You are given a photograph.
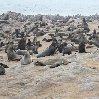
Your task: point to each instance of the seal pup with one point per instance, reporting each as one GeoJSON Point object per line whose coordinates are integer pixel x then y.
{"type": "Point", "coordinates": [26, 59]}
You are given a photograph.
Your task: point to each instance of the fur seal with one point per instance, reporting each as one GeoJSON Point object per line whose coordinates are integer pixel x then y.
{"type": "Point", "coordinates": [60, 46]}
{"type": "Point", "coordinates": [96, 43]}
{"type": "Point", "coordinates": [11, 54]}
{"type": "Point", "coordinates": [29, 43]}
{"type": "Point", "coordinates": [1, 44]}
{"type": "Point", "coordinates": [3, 65]}
{"type": "Point", "coordinates": [22, 44]}
{"type": "Point", "coordinates": [2, 70]}
{"type": "Point", "coordinates": [77, 38]}
{"type": "Point", "coordinates": [82, 47]}
{"type": "Point", "coordinates": [56, 61]}
{"type": "Point", "coordinates": [34, 49]}
{"type": "Point", "coordinates": [26, 59]}
{"type": "Point", "coordinates": [66, 49]}
{"type": "Point", "coordinates": [6, 47]}
{"type": "Point", "coordinates": [49, 51]}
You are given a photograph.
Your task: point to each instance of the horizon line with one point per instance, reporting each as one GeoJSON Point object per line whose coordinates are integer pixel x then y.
{"type": "Point", "coordinates": [49, 14]}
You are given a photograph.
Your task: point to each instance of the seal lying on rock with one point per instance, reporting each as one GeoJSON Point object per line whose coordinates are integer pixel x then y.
{"type": "Point", "coordinates": [2, 70]}
{"type": "Point", "coordinates": [52, 62]}
{"type": "Point", "coordinates": [26, 59]}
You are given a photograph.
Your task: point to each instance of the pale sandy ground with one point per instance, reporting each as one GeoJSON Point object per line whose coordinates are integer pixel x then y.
{"type": "Point", "coordinates": [77, 80]}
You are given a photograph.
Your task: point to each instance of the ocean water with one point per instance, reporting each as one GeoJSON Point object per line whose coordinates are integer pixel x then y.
{"type": "Point", "coordinates": [62, 7]}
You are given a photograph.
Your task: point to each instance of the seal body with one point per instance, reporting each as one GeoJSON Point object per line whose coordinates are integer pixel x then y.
{"type": "Point", "coordinates": [49, 51]}
{"type": "Point", "coordinates": [26, 59]}
{"type": "Point", "coordinates": [2, 70]}
{"type": "Point", "coordinates": [11, 54]}
{"type": "Point", "coordinates": [82, 47]}
{"type": "Point", "coordinates": [66, 50]}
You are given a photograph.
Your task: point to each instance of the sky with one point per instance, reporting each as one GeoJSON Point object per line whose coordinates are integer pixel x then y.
{"type": "Point", "coordinates": [62, 7]}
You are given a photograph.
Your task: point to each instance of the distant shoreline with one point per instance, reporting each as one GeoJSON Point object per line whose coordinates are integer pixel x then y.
{"type": "Point", "coordinates": [96, 14]}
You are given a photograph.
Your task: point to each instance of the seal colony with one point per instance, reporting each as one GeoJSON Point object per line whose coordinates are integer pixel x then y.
{"type": "Point", "coordinates": [67, 36]}
{"type": "Point", "coordinates": [49, 57]}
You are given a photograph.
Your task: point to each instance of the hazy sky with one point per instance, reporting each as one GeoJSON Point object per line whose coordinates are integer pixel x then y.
{"type": "Point", "coordinates": [62, 7]}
